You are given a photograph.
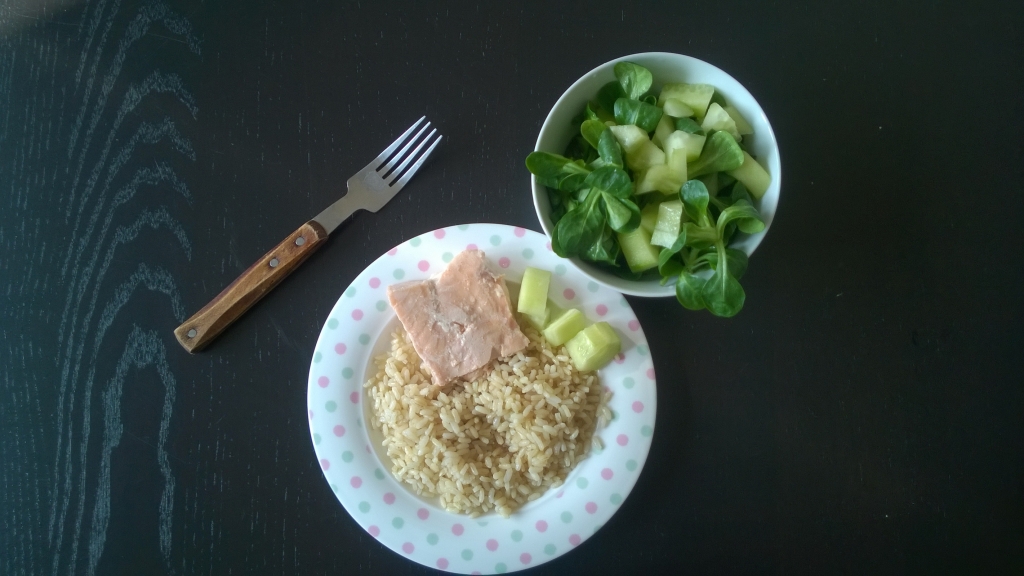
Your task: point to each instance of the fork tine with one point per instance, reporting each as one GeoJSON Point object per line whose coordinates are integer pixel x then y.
{"type": "Point", "coordinates": [394, 145]}
{"type": "Point", "coordinates": [416, 165]}
{"type": "Point", "coordinates": [389, 167]}
{"type": "Point", "coordinates": [409, 158]}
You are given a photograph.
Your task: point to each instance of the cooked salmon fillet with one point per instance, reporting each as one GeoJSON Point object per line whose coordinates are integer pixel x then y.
{"type": "Point", "coordinates": [459, 321]}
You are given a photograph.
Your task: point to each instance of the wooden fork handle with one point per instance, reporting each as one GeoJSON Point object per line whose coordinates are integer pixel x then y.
{"type": "Point", "coordinates": [204, 326]}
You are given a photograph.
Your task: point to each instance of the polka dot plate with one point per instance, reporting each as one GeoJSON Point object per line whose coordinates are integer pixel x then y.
{"type": "Point", "coordinates": [359, 327]}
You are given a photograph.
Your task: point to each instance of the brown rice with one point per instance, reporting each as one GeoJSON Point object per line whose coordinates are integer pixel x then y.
{"type": "Point", "coordinates": [495, 443]}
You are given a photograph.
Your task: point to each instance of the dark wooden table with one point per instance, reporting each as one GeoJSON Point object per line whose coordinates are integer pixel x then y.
{"type": "Point", "coordinates": [860, 415]}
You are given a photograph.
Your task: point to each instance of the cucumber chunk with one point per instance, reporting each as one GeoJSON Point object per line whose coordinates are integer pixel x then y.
{"type": "Point", "coordinates": [533, 295]}
{"type": "Point", "coordinates": [649, 216]}
{"type": "Point", "coordinates": [742, 126]}
{"type": "Point", "coordinates": [645, 156]}
{"type": "Point", "coordinates": [718, 119]}
{"type": "Point", "coordinates": [753, 176]}
{"type": "Point", "coordinates": [670, 220]}
{"type": "Point", "coordinates": [665, 127]}
{"type": "Point", "coordinates": [696, 96]}
{"type": "Point", "coordinates": [593, 347]}
{"type": "Point", "coordinates": [660, 178]}
{"type": "Point", "coordinates": [676, 108]}
{"type": "Point", "coordinates": [691, 143]}
{"type": "Point", "coordinates": [630, 137]}
{"type": "Point", "coordinates": [564, 326]}
{"type": "Point", "coordinates": [636, 247]}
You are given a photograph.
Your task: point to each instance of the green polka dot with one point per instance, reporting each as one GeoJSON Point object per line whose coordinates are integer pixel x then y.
{"type": "Point", "coordinates": [560, 269]}
{"type": "Point", "coordinates": [624, 303]}
{"type": "Point", "coordinates": [334, 487]}
{"type": "Point", "coordinates": [399, 273]}
{"type": "Point", "coordinates": [615, 415]}
{"type": "Point", "coordinates": [331, 406]}
{"type": "Point", "coordinates": [500, 568]}
{"type": "Point", "coordinates": [517, 535]}
{"type": "Point", "coordinates": [642, 350]}
{"type": "Point", "coordinates": [347, 456]}
{"type": "Point", "coordinates": [549, 549]}
{"type": "Point", "coordinates": [646, 430]}
{"type": "Point", "coordinates": [364, 339]}
{"type": "Point", "coordinates": [432, 539]}
{"type": "Point", "coordinates": [596, 528]}
{"type": "Point", "coordinates": [447, 257]}
{"type": "Point", "coordinates": [316, 438]}
{"type": "Point", "coordinates": [628, 382]}
{"type": "Point", "coordinates": [495, 240]}
{"type": "Point", "coordinates": [359, 421]}
{"type": "Point", "coordinates": [631, 465]}
{"type": "Point", "coordinates": [317, 357]}
{"type": "Point", "coordinates": [381, 305]}
{"type": "Point", "coordinates": [481, 522]}
{"type": "Point", "coordinates": [378, 474]}
{"type": "Point", "coordinates": [347, 373]}
{"type": "Point", "coordinates": [566, 517]}
{"type": "Point", "coordinates": [463, 227]}
{"type": "Point", "coordinates": [592, 286]}
{"type": "Point", "coordinates": [332, 323]}
{"type": "Point", "coordinates": [398, 522]}
{"type": "Point", "coordinates": [581, 482]}
{"type": "Point", "coordinates": [616, 499]}
{"type": "Point", "coordinates": [416, 241]}
{"type": "Point", "coordinates": [467, 554]}
{"type": "Point", "coordinates": [527, 253]}
{"type": "Point", "coordinates": [351, 292]}
{"type": "Point", "coordinates": [364, 507]}
{"type": "Point", "coordinates": [598, 449]}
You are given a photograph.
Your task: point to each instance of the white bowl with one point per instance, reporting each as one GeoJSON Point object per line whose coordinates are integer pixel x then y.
{"type": "Point", "coordinates": [557, 131]}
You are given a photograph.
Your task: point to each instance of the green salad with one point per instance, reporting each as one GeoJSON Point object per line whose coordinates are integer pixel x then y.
{"type": "Point", "coordinates": [657, 185]}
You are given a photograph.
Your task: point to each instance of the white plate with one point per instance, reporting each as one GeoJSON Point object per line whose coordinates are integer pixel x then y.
{"type": "Point", "coordinates": [413, 527]}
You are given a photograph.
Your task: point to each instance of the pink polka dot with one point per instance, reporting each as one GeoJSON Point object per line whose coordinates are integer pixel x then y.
{"type": "Point", "coordinates": [457, 529]}
{"type": "Point", "coordinates": [607, 474]}
{"type": "Point", "coordinates": [650, 373]}
{"type": "Point", "coordinates": [601, 309]}
{"type": "Point", "coordinates": [325, 464]}
{"type": "Point", "coordinates": [339, 430]}
{"type": "Point", "coordinates": [504, 262]}
{"type": "Point", "coordinates": [438, 234]}
{"type": "Point", "coordinates": [620, 358]}
{"type": "Point", "coordinates": [367, 448]}
{"type": "Point", "coordinates": [423, 513]}
{"type": "Point", "coordinates": [591, 507]}
{"type": "Point", "coordinates": [374, 531]}
{"type": "Point", "coordinates": [622, 439]}
{"type": "Point", "coordinates": [525, 558]}
{"type": "Point", "coordinates": [471, 247]}
{"type": "Point", "coordinates": [549, 246]}
{"type": "Point", "coordinates": [575, 540]}
{"type": "Point", "coordinates": [519, 232]}
{"type": "Point", "coordinates": [492, 544]}
{"type": "Point", "coordinates": [354, 397]}
{"type": "Point", "coordinates": [441, 562]}
{"type": "Point", "coordinates": [356, 482]}
{"type": "Point", "coordinates": [423, 265]}
{"type": "Point", "coordinates": [638, 406]}
{"type": "Point", "coordinates": [476, 572]}
{"type": "Point", "coordinates": [408, 547]}
{"type": "Point", "coordinates": [559, 494]}
{"type": "Point", "coordinates": [310, 414]}
{"type": "Point", "coordinates": [374, 282]}
{"type": "Point", "coordinates": [541, 526]}
{"type": "Point", "coordinates": [323, 381]}
{"type": "Point", "coordinates": [389, 498]}
{"type": "Point", "coordinates": [340, 348]}
{"type": "Point", "coordinates": [357, 314]}
{"type": "Point", "coordinates": [569, 293]}
{"type": "Point", "coordinates": [393, 251]}
{"type": "Point", "coordinates": [634, 325]}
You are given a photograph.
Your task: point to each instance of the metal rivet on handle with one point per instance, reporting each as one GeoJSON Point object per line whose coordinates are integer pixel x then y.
{"type": "Point", "coordinates": [273, 262]}
{"type": "Point", "coordinates": [192, 333]}
{"type": "Point", "coordinates": [300, 241]}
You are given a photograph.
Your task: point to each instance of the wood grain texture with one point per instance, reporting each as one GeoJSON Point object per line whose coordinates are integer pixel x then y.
{"type": "Point", "coordinates": [252, 285]}
{"type": "Point", "coordinates": [862, 414]}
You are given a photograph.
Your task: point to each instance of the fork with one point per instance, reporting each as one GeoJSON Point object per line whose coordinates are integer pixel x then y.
{"type": "Point", "coordinates": [369, 189]}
